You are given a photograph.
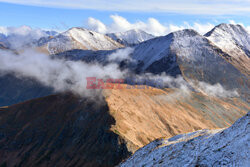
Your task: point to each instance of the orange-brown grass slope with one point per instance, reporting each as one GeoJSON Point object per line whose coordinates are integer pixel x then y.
{"type": "Point", "coordinates": [142, 115]}
{"type": "Point", "coordinates": [65, 130]}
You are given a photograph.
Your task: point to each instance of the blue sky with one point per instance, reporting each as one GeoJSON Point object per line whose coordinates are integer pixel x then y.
{"type": "Point", "coordinates": [63, 14]}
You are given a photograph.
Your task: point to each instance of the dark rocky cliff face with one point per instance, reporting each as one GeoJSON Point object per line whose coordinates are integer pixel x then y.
{"type": "Point", "coordinates": [59, 130]}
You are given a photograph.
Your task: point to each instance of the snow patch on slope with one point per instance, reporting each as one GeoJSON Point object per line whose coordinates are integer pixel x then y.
{"type": "Point", "coordinates": [222, 147]}
{"type": "Point", "coordinates": [187, 44]}
{"type": "Point", "coordinates": [235, 41]}
{"type": "Point", "coordinates": [92, 40]}
{"type": "Point", "coordinates": [231, 38]}
{"type": "Point", "coordinates": [80, 38]}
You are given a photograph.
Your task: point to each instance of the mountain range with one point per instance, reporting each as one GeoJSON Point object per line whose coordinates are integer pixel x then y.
{"type": "Point", "coordinates": [78, 38]}
{"type": "Point", "coordinates": [192, 56]}
{"type": "Point", "coordinates": [207, 87]}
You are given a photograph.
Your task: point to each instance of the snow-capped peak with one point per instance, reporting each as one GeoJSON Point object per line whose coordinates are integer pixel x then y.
{"type": "Point", "coordinates": [92, 40]}
{"type": "Point", "coordinates": [185, 33]}
{"type": "Point", "coordinates": [80, 38]}
{"type": "Point", "coordinates": [187, 41]}
{"type": "Point", "coordinates": [235, 41]}
{"type": "Point", "coordinates": [229, 28]}
{"type": "Point", "coordinates": [230, 37]}
{"type": "Point", "coordinates": [131, 37]}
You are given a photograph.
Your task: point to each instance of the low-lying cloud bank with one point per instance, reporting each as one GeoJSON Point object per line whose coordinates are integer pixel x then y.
{"type": "Point", "coordinates": [18, 37]}
{"type": "Point", "coordinates": [62, 75]}
{"type": "Point", "coordinates": [65, 75]}
{"type": "Point", "coordinates": [216, 90]}
{"type": "Point", "coordinates": [183, 87]}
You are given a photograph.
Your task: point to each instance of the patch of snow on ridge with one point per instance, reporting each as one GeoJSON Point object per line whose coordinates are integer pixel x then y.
{"type": "Point", "coordinates": [80, 38]}
{"type": "Point", "coordinates": [233, 39]}
{"type": "Point", "coordinates": [187, 44]}
{"type": "Point", "coordinates": [222, 147]}
{"type": "Point", "coordinates": [91, 39]}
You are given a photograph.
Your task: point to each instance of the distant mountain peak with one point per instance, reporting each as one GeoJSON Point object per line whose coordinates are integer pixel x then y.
{"type": "Point", "coordinates": [78, 29]}
{"type": "Point", "coordinates": [79, 38]}
{"type": "Point", "coordinates": [228, 28]}
{"type": "Point", "coordinates": [185, 33]}
{"type": "Point", "coordinates": [235, 41]}
{"type": "Point", "coordinates": [225, 25]}
{"type": "Point", "coordinates": [131, 37]}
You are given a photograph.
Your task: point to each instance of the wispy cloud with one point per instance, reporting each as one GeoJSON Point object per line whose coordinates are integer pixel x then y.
{"type": "Point", "coordinates": [20, 36]}
{"type": "Point", "coordinates": [60, 74]}
{"type": "Point", "coordinates": [118, 24]}
{"type": "Point", "coordinates": [212, 7]}
{"type": "Point", "coordinates": [22, 31]}
{"type": "Point", "coordinates": [246, 27]}
{"type": "Point", "coordinates": [152, 26]}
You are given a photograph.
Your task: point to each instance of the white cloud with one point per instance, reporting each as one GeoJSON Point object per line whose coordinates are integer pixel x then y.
{"type": "Point", "coordinates": [155, 27]}
{"type": "Point", "coordinates": [65, 75]}
{"type": "Point", "coordinates": [121, 54]}
{"type": "Point", "coordinates": [96, 25]}
{"type": "Point", "coordinates": [20, 36]}
{"type": "Point", "coordinates": [120, 23]}
{"type": "Point", "coordinates": [202, 28]}
{"type": "Point", "coordinates": [62, 75]}
{"type": "Point", "coordinates": [184, 89]}
{"type": "Point", "coordinates": [232, 22]}
{"type": "Point", "coordinates": [212, 7]}
{"type": "Point", "coordinates": [216, 90]}
{"type": "Point", "coordinates": [246, 27]}
{"type": "Point", "coordinates": [152, 26]}
{"type": "Point", "coordinates": [21, 31]}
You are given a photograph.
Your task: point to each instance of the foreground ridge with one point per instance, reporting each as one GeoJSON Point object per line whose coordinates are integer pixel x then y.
{"type": "Point", "coordinates": [221, 147]}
